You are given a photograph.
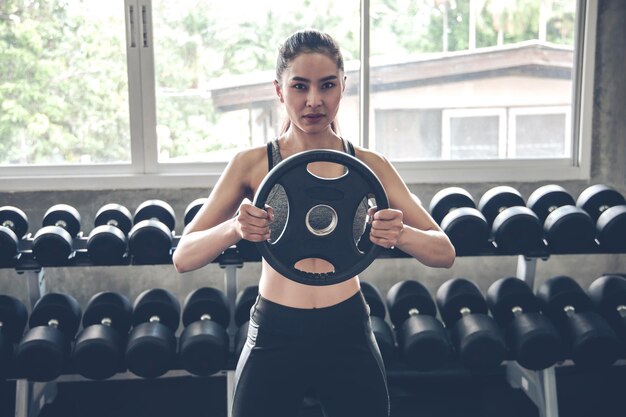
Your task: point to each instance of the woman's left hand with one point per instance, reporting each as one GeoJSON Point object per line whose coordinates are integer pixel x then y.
{"type": "Point", "coordinates": [386, 227]}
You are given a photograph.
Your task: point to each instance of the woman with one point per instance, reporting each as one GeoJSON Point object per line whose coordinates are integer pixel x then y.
{"type": "Point", "coordinates": [301, 337]}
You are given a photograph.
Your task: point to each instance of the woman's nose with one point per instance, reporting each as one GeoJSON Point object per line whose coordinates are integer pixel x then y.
{"type": "Point", "coordinates": [314, 98]}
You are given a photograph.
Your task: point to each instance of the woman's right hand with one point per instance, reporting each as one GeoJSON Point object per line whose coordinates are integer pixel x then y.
{"type": "Point", "coordinates": [253, 223]}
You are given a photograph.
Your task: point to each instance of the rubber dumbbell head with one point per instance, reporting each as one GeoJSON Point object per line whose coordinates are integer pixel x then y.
{"type": "Point", "coordinates": [566, 228]}
{"type": "Point", "coordinates": [533, 339]}
{"type": "Point", "coordinates": [374, 299]}
{"type": "Point", "coordinates": [608, 294]}
{"type": "Point", "coordinates": [108, 241]}
{"type": "Point", "coordinates": [590, 340]}
{"type": "Point", "coordinates": [192, 209]}
{"type": "Point", "coordinates": [43, 352]}
{"type": "Point", "coordinates": [13, 227]}
{"type": "Point", "coordinates": [151, 347]}
{"type": "Point", "coordinates": [607, 207]}
{"type": "Point", "coordinates": [476, 337]}
{"type": "Point", "coordinates": [204, 343]}
{"type": "Point", "coordinates": [54, 242]}
{"type": "Point", "coordinates": [514, 227]}
{"type": "Point", "coordinates": [151, 238]}
{"type": "Point", "coordinates": [382, 332]}
{"type": "Point", "coordinates": [244, 302]}
{"type": "Point", "coordinates": [455, 211]}
{"type": "Point", "coordinates": [99, 349]}
{"type": "Point", "coordinates": [13, 317]}
{"type": "Point", "coordinates": [422, 339]}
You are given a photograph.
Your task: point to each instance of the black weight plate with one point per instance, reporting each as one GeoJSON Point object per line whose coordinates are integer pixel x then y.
{"type": "Point", "coordinates": [107, 245]}
{"type": "Point", "coordinates": [13, 316]}
{"type": "Point", "coordinates": [193, 208]}
{"type": "Point", "coordinates": [448, 200]}
{"type": "Point", "coordinates": [244, 302]}
{"type": "Point", "coordinates": [544, 200]}
{"type": "Point", "coordinates": [158, 210]}
{"type": "Point", "coordinates": [61, 307]}
{"type": "Point", "coordinates": [597, 198]}
{"type": "Point", "coordinates": [157, 302]}
{"type": "Point", "coordinates": [206, 300]}
{"type": "Point", "coordinates": [111, 305]}
{"type": "Point", "coordinates": [498, 199]}
{"type": "Point", "coordinates": [406, 295]}
{"type": "Point", "coordinates": [15, 219]}
{"type": "Point", "coordinates": [458, 293]}
{"type": "Point", "coordinates": [114, 215]}
{"type": "Point", "coordinates": [611, 228]}
{"type": "Point", "coordinates": [64, 216]}
{"type": "Point", "coordinates": [505, 294]}
{"type": "Point", "coordinates": [305, 191]}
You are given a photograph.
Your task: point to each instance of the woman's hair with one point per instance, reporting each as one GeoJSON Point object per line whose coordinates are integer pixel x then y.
{"type": "Point", "coordinates": [307, 41]}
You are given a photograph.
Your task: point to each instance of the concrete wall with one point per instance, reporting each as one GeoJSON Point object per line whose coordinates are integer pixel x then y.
{"type": "Point", "coordinates": [608, 166]}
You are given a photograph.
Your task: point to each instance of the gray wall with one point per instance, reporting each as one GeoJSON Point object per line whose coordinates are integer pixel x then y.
{"type": "Point", "coordinates": [608, 156]}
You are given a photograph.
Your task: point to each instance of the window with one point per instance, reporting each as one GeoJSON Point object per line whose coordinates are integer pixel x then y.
{"type": "Point", "coordinates": [157, 92]}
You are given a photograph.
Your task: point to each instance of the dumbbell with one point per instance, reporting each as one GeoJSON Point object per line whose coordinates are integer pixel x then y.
{"type": "Point", "coordinates": [608, 294]}
{"type": "Point", "coordinates": [13, 227]}
{"type": "Point", "coordinates": [151, 238]}
{"type": "Point", "coordinates": [43, 353]}
{"type": "Point", "coordinates": [514, 227]}
{"type": "Point", "coordinates": [108, 241]}
{"type": "Point", "coordinates": [54, 242]}
{"type": "Point", "coordinates": [589, 340]}
{"type": "Point", "coordinates": [203, 345]}
{"type": "Point", "coordinates": [607, 208]}
{"type": "Point", "coordinates": [13, 317]}
{"type": "Point", "coordinates": [192, 209]}
{"type": "Point", "coordinates": [476, 337]}
{"type": "Point", "coordinates": [151, 347]}
{"type": "Point", "coordinates": [99, 349]}
{"type": "Point", "coordinates": [533, 340]}
{"type": "Point", "coordinates": [243, 304]}
{"type": "Point", "coordinates": [454, 209]}
{"type": "Point", "coordinates": [422, 339]}
{"type": "Point", "coordinates": [382, 332]}
{"type": "Point", "coordinates": [566, 228]}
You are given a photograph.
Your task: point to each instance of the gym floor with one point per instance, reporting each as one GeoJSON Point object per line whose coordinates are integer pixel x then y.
{"type": "Point", "coordinates": [580, 394]}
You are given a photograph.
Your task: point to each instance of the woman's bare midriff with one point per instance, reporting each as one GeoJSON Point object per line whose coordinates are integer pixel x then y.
{"type": "Point", "coordinates": [279, 289]}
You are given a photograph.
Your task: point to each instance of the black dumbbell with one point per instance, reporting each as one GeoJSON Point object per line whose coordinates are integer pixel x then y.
{"type": "Point", "coordinates": [476, 337]}
{"type": "Point", "coordinates": [192, 209]}
{"type": "Point", "coordinates": [99, 349]}
{"type": "Point", "coordinates": [243, 304]}
{"type": "Point", "coordinates": [514, 227]}
{"type": "Point", "coordinates": [44, 351]}
{"type": "Point", "coordinates": [589, 340]}
{"type": "Point", "coordinates": [203, 345]}
{"type": "Point", "coordinates": [607, 207]}
{"type": "Point", "coordinates": [422, 339]}
{"type": "Point", "coordinates": [151, 238]}
{"type": "Point", "coordinates": [13, 227]}
{"type": "Point", "coordinates": [13, 317]}
{"type": "Point", "coordinates": [566, 228]}
{"type": "Point", "coordinates": [108, 241]}
{"type": "Point", "coordinates": [608, 294]}
{"type": "Point", "coordinates": [381, 329]}
{"type": "Point", "coordinates": [151, 347]}
{"type": "Point", "coordinates": [54, 242]}
{"type": "Point", "coordinates": [532, 338]}
{"type": "Point", "coordinates": [455, 211]}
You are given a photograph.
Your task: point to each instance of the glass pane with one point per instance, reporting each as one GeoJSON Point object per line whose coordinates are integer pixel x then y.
{"type": "Point", "coordinates": [412, 134]}
{"type": "Point", "coordinates": [540, 135]}
{"type": "Point", "coordinates": [215, 66]}
{"type": "Point", "coordinates": [474, 137]}
{"type": "Point", "coordinates": [63, 83]}
{"type": "Point", "coordinates": [468, 55]}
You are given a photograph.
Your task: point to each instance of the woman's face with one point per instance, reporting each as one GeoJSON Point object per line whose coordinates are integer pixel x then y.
{"type": "Point", "coordinates": [311, 89]}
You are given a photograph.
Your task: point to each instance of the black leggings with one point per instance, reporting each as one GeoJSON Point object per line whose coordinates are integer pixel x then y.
{"type": "Point", "coordinates": [329, 351]}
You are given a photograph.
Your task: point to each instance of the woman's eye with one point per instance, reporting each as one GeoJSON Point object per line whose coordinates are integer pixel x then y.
{"type": "Point", "coordinates": [328, 85]}
{"type": "Point", "coordinates": [299, 86]}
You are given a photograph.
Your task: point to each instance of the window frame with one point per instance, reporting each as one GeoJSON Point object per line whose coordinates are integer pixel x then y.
{"type": "Point", "coordinates": [145, 171]}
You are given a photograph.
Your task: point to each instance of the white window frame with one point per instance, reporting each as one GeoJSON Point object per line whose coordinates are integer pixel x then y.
{"type": "Point", "coordinates": [449, 114]}
{"type": "Point", "coordinates": [538, 111]}
{"type": "Point", "coordinates": [145, 171]}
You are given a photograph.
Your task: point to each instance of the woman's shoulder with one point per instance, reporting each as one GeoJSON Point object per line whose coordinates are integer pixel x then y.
{"type": "Point", "coordinates": [249, 158]}
{"type": "Point", "coordinates": [373, 159]}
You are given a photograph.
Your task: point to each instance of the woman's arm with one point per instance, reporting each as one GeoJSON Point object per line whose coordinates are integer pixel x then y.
{"type": "Point", "coordinates": [406, 225]}
{"type": "Point", "coordinates": [214, 229]}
